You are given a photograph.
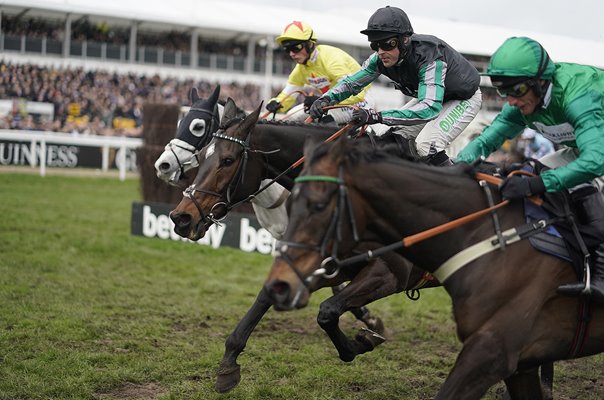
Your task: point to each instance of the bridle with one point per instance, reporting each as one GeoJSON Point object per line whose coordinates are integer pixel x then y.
{"type": "Point", "coordinates": [330, 266]}
{"type": "Point", "coordinates": [226, 200]}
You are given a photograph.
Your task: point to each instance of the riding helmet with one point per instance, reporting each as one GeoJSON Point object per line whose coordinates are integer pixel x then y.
{"type": "Point", "coordinates": [387, 22]}
{"type": "Point", "coordinates": [520, 58]}
{"type": "Point", "coordinates": [296, 31]}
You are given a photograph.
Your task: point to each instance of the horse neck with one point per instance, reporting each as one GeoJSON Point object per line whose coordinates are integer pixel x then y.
{"type": "Point", "coordinates": [289, 140]}
{"type": "Point", "coordinates": [405, 200]}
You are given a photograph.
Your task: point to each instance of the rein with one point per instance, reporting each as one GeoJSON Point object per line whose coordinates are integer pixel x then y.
{"type": "Point", "coordinates": [299, 162]}
{"type": "Point", "coordinates": [452, 265]}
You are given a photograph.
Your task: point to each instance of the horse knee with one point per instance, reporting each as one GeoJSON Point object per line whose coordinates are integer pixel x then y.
{"type": "Point", "coordinates": [328, 314]}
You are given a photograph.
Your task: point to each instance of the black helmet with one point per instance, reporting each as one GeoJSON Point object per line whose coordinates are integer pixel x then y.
{"type": "Point", "coordinates": [387, 22]}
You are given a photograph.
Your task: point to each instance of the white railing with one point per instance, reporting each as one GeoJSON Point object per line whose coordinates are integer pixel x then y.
{"type": "Point", "coordinates": [104, 142]}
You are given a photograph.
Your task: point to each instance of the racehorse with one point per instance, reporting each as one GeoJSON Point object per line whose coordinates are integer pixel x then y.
{"type": "Point", "coordinates": [508, 315]}
{"type": "Point", "coordinates": [194, 131]}
{"type": "Point", "coordinates": [231, 167]}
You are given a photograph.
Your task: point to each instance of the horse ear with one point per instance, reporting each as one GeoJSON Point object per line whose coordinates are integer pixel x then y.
{"type": "Point", "coordinates": [230, 111]}
{"type": "Point", "coordinates": [250, 121]}
{"type": "Point", "coordinates": [339, 149]}
{"type": "Point", "coordinates": [214, 97]}
{"type": "Point", "coordinates": [194, 95]}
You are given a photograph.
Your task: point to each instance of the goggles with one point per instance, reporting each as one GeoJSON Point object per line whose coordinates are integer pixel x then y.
{"type": "Point", "coordinates": [385, 45]}
{"type": "Point", "coordinates": [296, 48]}
{"type": "Point", "coordinates": [517, 90]}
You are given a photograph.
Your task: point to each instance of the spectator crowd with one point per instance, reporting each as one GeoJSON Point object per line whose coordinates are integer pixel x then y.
{"type": "Point", "coordinates": [99, 102]}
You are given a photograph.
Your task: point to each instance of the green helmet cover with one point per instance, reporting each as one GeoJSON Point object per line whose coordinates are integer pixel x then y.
{"type": "Point", "coordinates": [521, 57]}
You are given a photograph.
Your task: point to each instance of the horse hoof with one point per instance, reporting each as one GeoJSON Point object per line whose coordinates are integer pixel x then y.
{"type": "Point", "coordinates": [370, 339]}
{"type": "Point", "coordinates": [376, 325]}
{"type": "Point", "coordinates": [227, 378]}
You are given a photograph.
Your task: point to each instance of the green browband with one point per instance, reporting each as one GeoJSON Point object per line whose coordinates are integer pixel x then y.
{"type": "Point", "coordinates": [319, 178]}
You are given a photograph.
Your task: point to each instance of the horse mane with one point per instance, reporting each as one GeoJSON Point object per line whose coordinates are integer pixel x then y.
{"type": "Point", "coordinates": [360, 150]}
{"type": "Point", "coordinates": [285, 122]}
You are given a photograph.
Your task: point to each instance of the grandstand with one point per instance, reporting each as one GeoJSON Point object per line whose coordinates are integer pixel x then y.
{"type": "Point", "coordinates": [184, 42]}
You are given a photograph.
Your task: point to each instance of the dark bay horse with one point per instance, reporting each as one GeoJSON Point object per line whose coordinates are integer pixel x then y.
{"type": "Point", "coordinates": [508, 315]}
{"type": "Point", "coordinates": [231, 167]}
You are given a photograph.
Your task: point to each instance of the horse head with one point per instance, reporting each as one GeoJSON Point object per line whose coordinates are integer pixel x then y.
{"type": "Point", "coordinates": [222, 179]}
{"type": "Point", "coordinates": [322, 226]}
{"type": "Point", "coordinates": [193, 132]}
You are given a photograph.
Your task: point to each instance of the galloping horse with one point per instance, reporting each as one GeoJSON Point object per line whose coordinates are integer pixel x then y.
{"type": "Point", "coordinates": [231, 167]}
{"type": "Point", "coordinates": [508, 315]}
{"type": "Point", "coordinates": [195, 131]}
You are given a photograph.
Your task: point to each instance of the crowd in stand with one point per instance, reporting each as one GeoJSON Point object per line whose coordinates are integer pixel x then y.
{"type": "Point", "coordinates": [99, 102]}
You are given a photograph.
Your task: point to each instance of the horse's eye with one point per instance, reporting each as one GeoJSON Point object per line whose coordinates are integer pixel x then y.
{"type": "Point", "coordinates": [197, 127]}
{"type": "Point", "coordinates": [227, 162]}
{"type": "Point", "coordinates": [318, 207]}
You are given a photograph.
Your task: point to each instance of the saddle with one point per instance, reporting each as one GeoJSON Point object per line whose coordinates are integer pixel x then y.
{"type": "Point", "coordinates": [566, 237]}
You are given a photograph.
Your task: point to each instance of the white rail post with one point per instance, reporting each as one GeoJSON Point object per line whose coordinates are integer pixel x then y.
{"type": "Point", "coordinates": [123, 162]}
{"type": "Point", "coordinates": [42, 157]}
{"type": "Point", "coordinates": [105, 161]}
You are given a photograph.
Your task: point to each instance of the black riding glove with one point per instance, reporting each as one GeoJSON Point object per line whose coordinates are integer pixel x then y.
{"type": "Point", "coordinates": [273, 106]}
{"type": "Point", "coordinates": [517, 187]}
{"type": "Point", "coordinates": [316, 109]}
{"type": "Point", "coordinates": [366, 116]}
{"type": "Point", "coordinates": [308, 102]}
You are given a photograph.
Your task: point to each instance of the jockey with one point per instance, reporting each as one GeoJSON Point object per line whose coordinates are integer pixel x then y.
{"type": "Point", "coordinates": [443, 84]}
{"type": "Point", "coordinates": [565, 103]}
{"type": "Point", "coordinates": [318, 66]}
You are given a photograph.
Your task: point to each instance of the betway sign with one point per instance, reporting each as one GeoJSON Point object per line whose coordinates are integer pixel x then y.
{"type": "Point", "coordinates": [241, 231]}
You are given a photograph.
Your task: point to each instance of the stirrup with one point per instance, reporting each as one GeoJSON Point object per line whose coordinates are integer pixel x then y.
{"type": "Point", "coordinates": [578, 288]}
{"type": "Point", "coordinates": [574, 289]}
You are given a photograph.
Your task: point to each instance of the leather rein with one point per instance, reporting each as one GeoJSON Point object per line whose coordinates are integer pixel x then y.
{"type": "Point", "coordinates": [331, 265]}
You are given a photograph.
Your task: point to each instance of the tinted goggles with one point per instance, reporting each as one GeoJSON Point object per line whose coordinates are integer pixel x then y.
{"type": "Point", "coordinates": [385, 45]}
{"type": "Point", "coordinates": [296, 48]}
{"type": "Point", "coordinates": [517, 90]}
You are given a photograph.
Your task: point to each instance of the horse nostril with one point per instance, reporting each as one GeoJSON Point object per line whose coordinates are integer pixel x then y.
{"type": "Point", "coordinates": [181, 219]}
{"type": "Point", "coordinates": [279, 291]}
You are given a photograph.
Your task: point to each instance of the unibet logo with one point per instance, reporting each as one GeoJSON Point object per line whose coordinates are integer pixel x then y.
{"type": "Point", "coordinates": [451, 119]}
{"type": "Point", "coordinates": [161, 226]}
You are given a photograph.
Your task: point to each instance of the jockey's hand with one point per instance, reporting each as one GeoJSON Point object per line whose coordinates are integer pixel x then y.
{"type": "Point", "coordinates": [273, 106]}
{"type": "Point", "coordinates": [366, 116]}
{"type": "Point", "coordinates": [316, 109]}
{"type": "Point", "coordinates": [308, 102]}
{"type": "Point", "coordinates": [517, 187]}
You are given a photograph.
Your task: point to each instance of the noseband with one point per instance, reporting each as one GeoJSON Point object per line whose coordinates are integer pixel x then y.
{"type": "Point", "coordinates": [232, 188]}
{"type": "Point", "coordinates": [330, 266]}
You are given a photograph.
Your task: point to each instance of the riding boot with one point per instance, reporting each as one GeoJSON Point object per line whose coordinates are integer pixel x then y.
{"type": "Point", "coordinates": [590, 210]}
{"type": "Point", "coordinates": [595, 287]}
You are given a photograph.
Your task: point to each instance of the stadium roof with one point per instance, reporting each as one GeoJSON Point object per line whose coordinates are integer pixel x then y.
{"type": "Point", "coordinates": [238, 20]}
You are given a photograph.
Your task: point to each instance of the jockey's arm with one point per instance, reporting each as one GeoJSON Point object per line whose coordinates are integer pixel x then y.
{"type": "Point", "coordinates": [506, 125]}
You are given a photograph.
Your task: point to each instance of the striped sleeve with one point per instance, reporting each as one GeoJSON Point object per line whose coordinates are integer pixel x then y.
{"type": "Point", "coordinates": [430, 95]}
{"type": "Point", "coordinates": [356, 82]}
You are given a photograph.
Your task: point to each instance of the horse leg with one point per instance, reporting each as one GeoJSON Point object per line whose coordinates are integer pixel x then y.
{"type": "Point", "coordinates": [373, 282]}
{"type": "Point", "coordinates": [480, 364]}
{"type": "Point", "coordinates": [228, 374]}
{"type": "Point", "coordinates": [525, 385]}
{"type": "Point", "coordinates": [363, 314]}
{"type": "Point", "coordinates": [547, 380]}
